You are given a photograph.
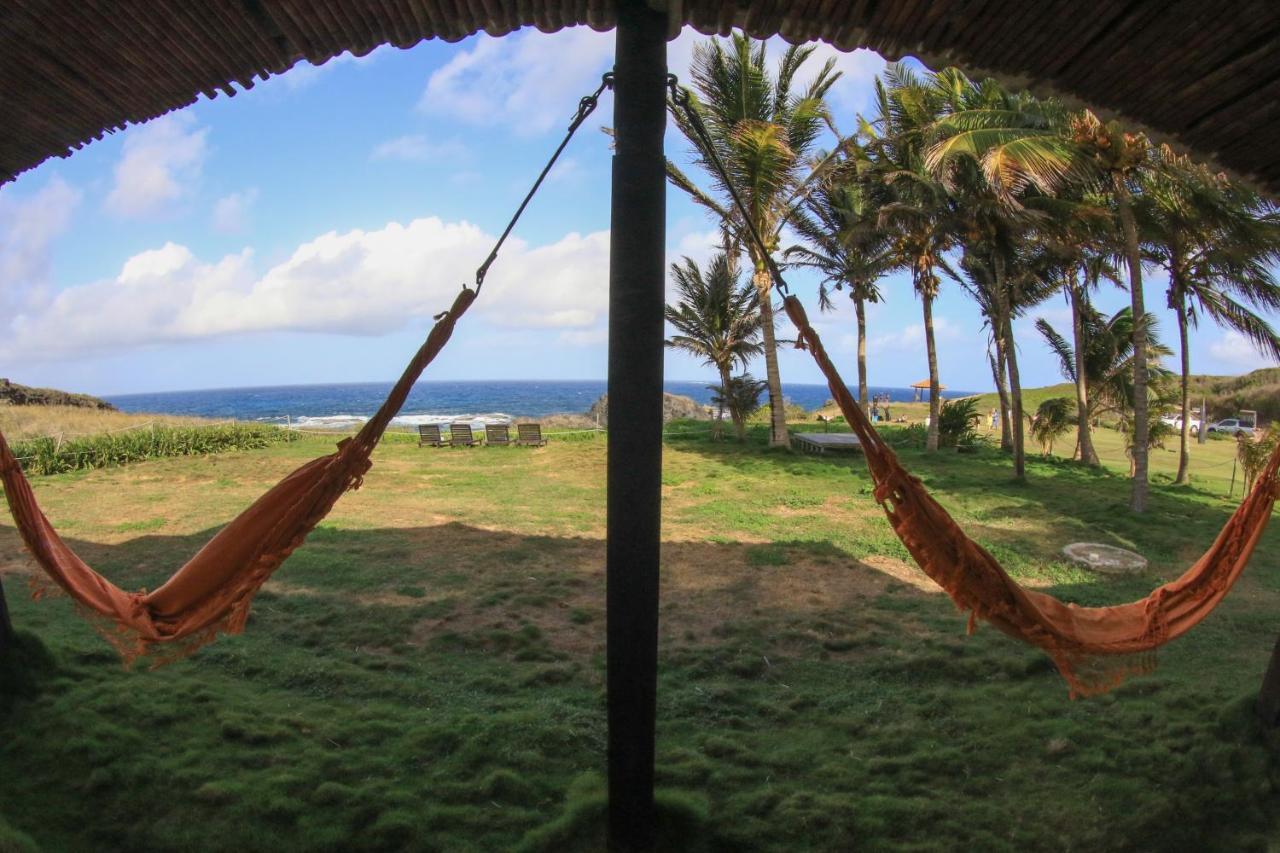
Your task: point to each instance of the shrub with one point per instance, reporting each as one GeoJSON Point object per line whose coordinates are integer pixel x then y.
{"type": "Point", "coordinates": [1254, 452]}
{"type": "Point", "coordinates": [48, 455]}
{"type": "Point", "coordinates": [956, 422]}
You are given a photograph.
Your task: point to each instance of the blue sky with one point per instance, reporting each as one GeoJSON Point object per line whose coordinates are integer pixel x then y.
{"type": "Point", "coordinates": [305, 231]}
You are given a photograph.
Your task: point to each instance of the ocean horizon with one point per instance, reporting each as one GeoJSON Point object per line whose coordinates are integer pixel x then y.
{"type": "Point", "coordinates": [336, 405]}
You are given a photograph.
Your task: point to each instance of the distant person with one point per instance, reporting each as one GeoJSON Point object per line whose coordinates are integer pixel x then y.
{"type": "Point", "coordinates": [887, 417]}
{"type": "Point", "coordinates": [875, 413]}
{"type": "Point", "coordinates": [992, 418]}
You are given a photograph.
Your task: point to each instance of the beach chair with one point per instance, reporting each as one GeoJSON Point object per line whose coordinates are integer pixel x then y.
{"type": "Point", "coordinates": [497, 435]}
{"type": "Point", "coordinates": [429, 436]}
{"type": "Point", "coordinates": [529, 435]}
{"type": "Point", "coordinates": [460, 435]}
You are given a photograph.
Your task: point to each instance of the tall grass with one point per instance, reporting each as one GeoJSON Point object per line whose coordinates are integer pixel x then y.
{"type": "Point", "coordinates": [52, 455]}
{"type": "Point", "coordinates": [20, 423]}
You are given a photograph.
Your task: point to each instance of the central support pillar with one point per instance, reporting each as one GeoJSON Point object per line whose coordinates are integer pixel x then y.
{"type": "Point", "coordinates": [637, 269]}
{"type": "Point", "coordinates": [1269, 696]}
{"type": "Point", "coordinates": [6, 627]}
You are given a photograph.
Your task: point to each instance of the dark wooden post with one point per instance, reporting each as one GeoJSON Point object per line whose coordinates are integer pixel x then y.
{"type": "Point", "coordinates": [1269, 696]}
{"type": "Point", "coordinates": [6, 627]}
{"type": "Point", "coordinates": [637, 268]}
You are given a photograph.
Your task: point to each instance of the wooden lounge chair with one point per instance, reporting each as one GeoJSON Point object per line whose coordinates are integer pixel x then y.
{"type": "Point", "coordinates": [497, 435]}
{"type": "Point", "coordinates": [529, 435]}
{"type": "Point", "coordinates": [460, 435]}
{"type": "Point", "coordinates": [429, 436]}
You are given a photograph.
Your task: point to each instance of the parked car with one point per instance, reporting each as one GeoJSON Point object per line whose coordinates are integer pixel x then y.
{"type": "Point", "coordinates": [1232, 426]}
{"type": "Point", "coordinates": [1175, 421]}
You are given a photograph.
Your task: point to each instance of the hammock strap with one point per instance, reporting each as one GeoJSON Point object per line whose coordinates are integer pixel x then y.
{"type": "Point", "coordinates": [586, 106]}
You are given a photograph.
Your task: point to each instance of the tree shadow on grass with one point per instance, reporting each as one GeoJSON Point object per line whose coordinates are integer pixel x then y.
{"type": "Point", "coordinates": [440, 687]}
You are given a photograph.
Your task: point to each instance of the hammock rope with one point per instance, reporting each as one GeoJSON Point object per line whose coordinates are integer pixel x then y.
{"type": "Point", "coordinates": [1094, 648]}
{"type": "Point", "coordinates": [211, 594]}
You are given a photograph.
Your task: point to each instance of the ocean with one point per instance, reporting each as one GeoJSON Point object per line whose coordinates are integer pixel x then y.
{"type": "Point", "coordinates": [337, 406]}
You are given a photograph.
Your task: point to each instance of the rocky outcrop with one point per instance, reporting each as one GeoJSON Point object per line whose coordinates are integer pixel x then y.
{"type": "Point", "coordinates": [20, 395]}
{"type": "Point", "coordinates": [675, 407]}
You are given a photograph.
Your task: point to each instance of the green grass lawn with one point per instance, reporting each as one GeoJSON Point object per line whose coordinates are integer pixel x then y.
{"type": "Point", "coordinates": [427, 673]}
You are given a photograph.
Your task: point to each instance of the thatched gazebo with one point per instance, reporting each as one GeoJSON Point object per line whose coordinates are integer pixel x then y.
{"type": "Point", "coordinates": [924, 385]}
{"type": "Point", "coordinates": [1205, 75]}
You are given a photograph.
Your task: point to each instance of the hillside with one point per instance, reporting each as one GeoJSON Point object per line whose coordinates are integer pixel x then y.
{"type": "Point", "coordinates": [1225, 395]}
{"type": "Point", "coordinates": [20, 395]}
{"type": "Point", "coordinates": [1259, 390]}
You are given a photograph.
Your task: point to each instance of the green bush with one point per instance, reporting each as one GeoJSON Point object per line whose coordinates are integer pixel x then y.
{"type": "Point", "coordinates": [956, 422]}
{"type": "Point", "coordinates": [48, 455]}
{"type": "Point", "coordinates": [794, 413]}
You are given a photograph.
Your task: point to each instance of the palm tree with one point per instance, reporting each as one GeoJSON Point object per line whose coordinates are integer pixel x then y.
{"type": "Point", "coordinates": [1071, 251]}
{"type": "Point", "coordinates": [1002, 298]}
{"type": "Point", "coordinates": [762, 131]}
{"type": "Point", "coordinates": [1062, 149]}
{"type": "Point", "coordinates": [717, 320]}
{"type": "Point", "coordinates": [920, 212]}
{"type": "Point", "coordinates": [1107, 359]}
{"type": "Point", "coordinates": [741, 396]}
{"type": "Point", "coordinates": [1052, 419]}
{"type": "Point", "coordinates": [840, 225]}
{"type": "Point", "coordinates": [1217, 240]}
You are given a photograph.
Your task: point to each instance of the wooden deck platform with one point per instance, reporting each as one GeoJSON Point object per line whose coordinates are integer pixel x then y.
{"type": "Point", "coordinates": [821, 442]}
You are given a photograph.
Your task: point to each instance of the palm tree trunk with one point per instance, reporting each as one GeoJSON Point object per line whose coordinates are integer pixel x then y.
{"type": "Point", "coordinates": [931, 442]}
{"type": "Point", "coordinates": [1015, 400]}
{"type": "Point", "coordinates": [1084, 434]}
{"type": "Point", "coordinates": [1017, 428]}
{"type": "Point", "coordinates": [1184, 448]}
{"type": "Point", "coordinates": [717, 433]}
{"type": "Point", "coordinates": [860, 308]}
{"type": "Point", "coordinates": [778, 436]}
{"type": "Point", "coordinates": [1002, 388]}
{"type": "Point", "coordinates": [1138, 499]}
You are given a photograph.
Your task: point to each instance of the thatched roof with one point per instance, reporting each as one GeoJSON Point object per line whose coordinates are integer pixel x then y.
{"type": "Point", "coordinates": [1203, 72]}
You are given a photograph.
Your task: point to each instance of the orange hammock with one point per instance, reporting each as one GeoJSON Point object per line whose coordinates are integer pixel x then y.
{"type": "Point", "coordinates": [212, 592]}
{"type": "Point", "coordinates": [1095, 648]}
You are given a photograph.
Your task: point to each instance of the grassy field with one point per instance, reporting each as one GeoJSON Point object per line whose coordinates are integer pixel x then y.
{"type": "Point", "coordinates": [427, 673]}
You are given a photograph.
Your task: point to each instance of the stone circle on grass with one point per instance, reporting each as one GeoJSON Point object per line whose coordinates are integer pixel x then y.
{"type": "Point", "coordinates": [1106, 559]}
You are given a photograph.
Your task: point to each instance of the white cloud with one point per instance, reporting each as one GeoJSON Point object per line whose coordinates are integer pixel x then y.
{"type": "Point", "coordinates": [529, 82]}
{"type": "Point", "coordinates": [303, 75]}
{"type": "Point", "coordinates": [416, 148]}
{"type": "Point", "coordinates": [911, 338]}
{"type": "Point", "coordinates": [358, 282]}
{"type": "Point", "coordinates": [159, 163]}
{"type": "Point", "coordinates": [231, 212]}
{"type": "Point", "coordinates": [1234, 348]}
{"type": "Point", "coordinates": [28, 227]}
